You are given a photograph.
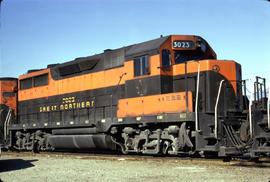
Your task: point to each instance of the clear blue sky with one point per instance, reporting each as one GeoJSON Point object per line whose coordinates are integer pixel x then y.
{"type": "Point", "coordinates": [35, 33]}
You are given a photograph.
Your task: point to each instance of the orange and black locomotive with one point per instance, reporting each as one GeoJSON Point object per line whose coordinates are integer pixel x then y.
{"type": "Point", "coordinates": [165, 96]}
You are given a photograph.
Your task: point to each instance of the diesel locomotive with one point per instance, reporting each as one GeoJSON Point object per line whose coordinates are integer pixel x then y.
{"type": "Point", "coordinates": [170, 95]}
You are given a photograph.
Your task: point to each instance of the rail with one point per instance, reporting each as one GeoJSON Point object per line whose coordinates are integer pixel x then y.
{"type": "Point", "coordinates": [216, 106]}
{"type": "Point", "coordinates": [197, 97]}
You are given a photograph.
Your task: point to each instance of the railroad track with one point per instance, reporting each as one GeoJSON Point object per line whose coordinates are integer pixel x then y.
{"type": "Point", "coordinates": [264, 162]}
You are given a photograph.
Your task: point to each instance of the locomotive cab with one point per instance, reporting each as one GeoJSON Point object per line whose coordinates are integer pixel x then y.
{"type": "Point", "coordinates": [205, 94]}
{"type": "Point", "coordinates": [181, 51]}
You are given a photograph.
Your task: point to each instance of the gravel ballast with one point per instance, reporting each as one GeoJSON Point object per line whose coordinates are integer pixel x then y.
{"type": "Point", "coordinates": [80, 168]}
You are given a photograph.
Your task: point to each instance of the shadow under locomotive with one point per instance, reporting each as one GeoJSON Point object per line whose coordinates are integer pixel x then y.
{"type": "Point", "coordinates": [7, 165]}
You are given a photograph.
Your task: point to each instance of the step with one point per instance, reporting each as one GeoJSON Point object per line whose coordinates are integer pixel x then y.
{"type": "Point", "coordinates": [262, 123]}
{"type": "Point", "coordinates": [210, 148]}
{"type": "Point", "coordinates": [210, 137]}
{"type": "Point", "coordinates": [211, 125]}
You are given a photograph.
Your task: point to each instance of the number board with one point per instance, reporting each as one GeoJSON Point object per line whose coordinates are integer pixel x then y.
{"type": "Point", "coordinates": [183, 44]}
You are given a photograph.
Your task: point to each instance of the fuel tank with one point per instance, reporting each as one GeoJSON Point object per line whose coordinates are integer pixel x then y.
{"type": "Point", "coordinates": [96, 141]}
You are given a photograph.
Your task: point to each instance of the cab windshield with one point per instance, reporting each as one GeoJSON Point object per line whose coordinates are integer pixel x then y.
{"type": "Point", "coordinates": [184, 56]}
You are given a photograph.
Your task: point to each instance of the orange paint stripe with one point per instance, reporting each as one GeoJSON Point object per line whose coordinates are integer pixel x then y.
{"type": "Point", "coordinates": [227, 68]}
{"type": "Point", "coordinates": [154, 104]}
{"type": "Point", "coordinates": [75, 84]}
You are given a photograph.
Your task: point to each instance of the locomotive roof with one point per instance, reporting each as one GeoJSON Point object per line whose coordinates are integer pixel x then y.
{"type": "Point", "coordinates": [109, 58]}
{"type": "Point", "coordinates": [106, 60]}
{"type": "Point", "coordinates": [145, 46]}
{"type": "Point", "coordinates": [130, 51]}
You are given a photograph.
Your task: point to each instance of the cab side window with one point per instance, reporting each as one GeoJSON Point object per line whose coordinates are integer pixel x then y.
{"type": "Point", "coordinates": [141, 66]}
{"type": "Point", "coordinates": [166, 58]}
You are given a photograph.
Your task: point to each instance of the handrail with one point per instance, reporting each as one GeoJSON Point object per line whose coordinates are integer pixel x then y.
{"type": "Point", "coordinates": [197, 97]}
{"type": "Point", "coordinates": [9, 119]}
{"type": "Point", "coordinates": [5, 123]}
{"type": "Point", "coordinates": [250, 117]}
{"type": "Point", "coordinates": [216, 105]}
{"type": "Point", "coordinates": [268, 110]}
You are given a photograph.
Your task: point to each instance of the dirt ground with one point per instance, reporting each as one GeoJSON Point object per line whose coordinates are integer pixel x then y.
{"type": "Point", "coordinates": [65, 167]}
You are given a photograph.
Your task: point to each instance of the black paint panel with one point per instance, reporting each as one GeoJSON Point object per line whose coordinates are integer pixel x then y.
{"type": "Point", "coordinates": [149, 86]}
{"type": "Point", "coordinates": [105, 102]}
{"type": "Point", "coordinates": [209, 84]}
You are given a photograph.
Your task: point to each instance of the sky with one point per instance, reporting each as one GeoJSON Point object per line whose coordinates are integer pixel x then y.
{"type": "Point", "coordinates": [35, 33]}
